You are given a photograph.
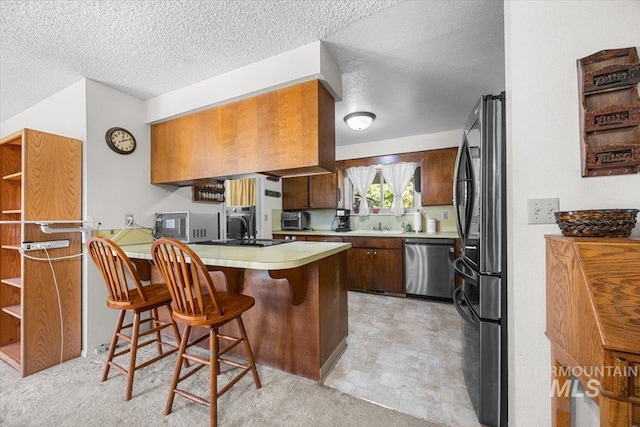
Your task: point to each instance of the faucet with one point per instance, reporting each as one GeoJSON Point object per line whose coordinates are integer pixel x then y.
{"type": "Point", "coordinates": [379, 226]}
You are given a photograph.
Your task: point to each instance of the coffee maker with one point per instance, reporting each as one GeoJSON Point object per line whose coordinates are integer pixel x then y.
{"type": "Point", "coordinates": [342, 215]}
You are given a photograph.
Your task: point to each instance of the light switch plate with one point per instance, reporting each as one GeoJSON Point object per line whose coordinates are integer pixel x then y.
{"type": "Point", "coordinates": [540, 211]}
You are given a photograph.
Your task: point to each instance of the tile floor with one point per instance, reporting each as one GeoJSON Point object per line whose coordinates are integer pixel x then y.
{"type": "Point", "coordinates": [405, 354]}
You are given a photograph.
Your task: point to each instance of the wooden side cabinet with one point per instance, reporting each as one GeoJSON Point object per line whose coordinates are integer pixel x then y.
{"type": "Point", "coordinates": [593, 307]}
{"type": "Point", "coordinates": [436, 174]}
{"type": "Point", "coordinates": [375, 265]}
{"type": "Point", "coordinates": [39, 316]}
{"type": "Point", "coordinates": [310, 192]}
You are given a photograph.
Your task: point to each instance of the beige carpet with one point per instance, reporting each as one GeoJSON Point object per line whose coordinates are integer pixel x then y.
{"type": "Point", "coordinates": [71, 394]}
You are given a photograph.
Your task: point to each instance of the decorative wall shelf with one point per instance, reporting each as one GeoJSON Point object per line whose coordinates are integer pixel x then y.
{"type": "Point", "coordinates": [610, 112]}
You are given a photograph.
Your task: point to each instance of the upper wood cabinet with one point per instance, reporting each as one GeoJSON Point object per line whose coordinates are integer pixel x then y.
{"type": "Point", "coordinates": [310, 192]}
{"type": "Point", "coordinates": [295, 193]}
{"type": "Point", "coordinates": [287, 131]}
{"type": "Point", "coordinates": [323, 191]}
{"type": "Point", "coordinates": [437, 176]}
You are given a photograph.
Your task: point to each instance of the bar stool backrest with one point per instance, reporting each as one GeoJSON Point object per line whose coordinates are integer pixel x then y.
{"type": "Point", "coordinates": [116, 268]}
{"type": "Point", "coordinates": [188, 280]}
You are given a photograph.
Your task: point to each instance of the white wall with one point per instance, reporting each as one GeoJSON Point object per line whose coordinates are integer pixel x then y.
{"type": "Point", "coordinates": [62, 113]}
{"type": "Point", "coordinates": [267, 205]}
{"type": "Point", "coordinates": [309, 62]}
{"type": "Point", "coordinates": [116, 185]}
{"type": "Point", "coordinates": [407, 144]}
{"type": "Point", "coordinates": [543, 41]}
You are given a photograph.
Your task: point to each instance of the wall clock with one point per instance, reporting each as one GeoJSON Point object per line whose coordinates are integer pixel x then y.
{"type": "Point", "coordinates": [120, 140]}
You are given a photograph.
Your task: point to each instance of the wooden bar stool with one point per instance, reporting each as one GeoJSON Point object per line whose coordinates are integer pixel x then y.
{"type": "Point", "coordinates": [197, 303]}
{"type": "Point", "coordinates": [127, 294]}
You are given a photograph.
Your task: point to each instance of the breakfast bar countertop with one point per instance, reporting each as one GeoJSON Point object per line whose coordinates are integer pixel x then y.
{"type": "Point", "coordinates": [277, 257]}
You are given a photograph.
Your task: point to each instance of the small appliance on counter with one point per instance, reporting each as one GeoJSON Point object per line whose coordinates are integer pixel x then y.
{"type": "Point", "coordinates": [189, 227]}
{"type": "Point", "coordinates": [294, 221]}
{"type": "Point", "coordinates": [342, 216]}
{"type": "Point", "coordinates": [241, 222]}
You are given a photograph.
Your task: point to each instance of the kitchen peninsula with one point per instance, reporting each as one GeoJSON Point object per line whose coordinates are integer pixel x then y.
{"type": "Point", "coordinates": [299, 321]}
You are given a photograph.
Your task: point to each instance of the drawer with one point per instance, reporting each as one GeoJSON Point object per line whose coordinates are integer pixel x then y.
{"type": "Point", "coordinates": [322, 238]}
{"type": "Point", "coordinates": [374, 242]}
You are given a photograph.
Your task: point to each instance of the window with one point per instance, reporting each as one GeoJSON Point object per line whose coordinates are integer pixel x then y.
{"type": "Point", "coordinates": [380, 195]}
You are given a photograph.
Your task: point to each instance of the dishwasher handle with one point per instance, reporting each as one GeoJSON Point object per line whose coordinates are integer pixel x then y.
{"type": "Point", "coordinates": [429, 241]}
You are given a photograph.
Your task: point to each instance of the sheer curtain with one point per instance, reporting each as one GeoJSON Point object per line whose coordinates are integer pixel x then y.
{"type": "Point", "coordinates": [241, 192]}
{"type": "Point", "coordinates": [397, 176]}
{"type": "Point", "coordinates": [362, 177]}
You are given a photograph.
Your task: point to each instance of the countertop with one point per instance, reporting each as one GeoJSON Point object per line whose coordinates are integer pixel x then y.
{"type": "Point", "coordinates": [368, 233]}
{"type": "Point", "coordinates": [278, 257]}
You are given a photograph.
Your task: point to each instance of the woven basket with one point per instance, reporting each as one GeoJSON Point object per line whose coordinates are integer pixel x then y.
{"type": "Point", "coordinates": [597, 223]}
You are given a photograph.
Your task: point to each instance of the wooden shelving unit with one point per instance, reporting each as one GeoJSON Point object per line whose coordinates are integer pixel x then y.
{"type": "Point", "coordinates": [41, 181]}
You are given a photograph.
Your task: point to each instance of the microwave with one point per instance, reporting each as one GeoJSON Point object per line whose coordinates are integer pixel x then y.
{"type": "Point", "coordinates": [188, 227]}
{"type": "Point", "coordinates": [294, 221]}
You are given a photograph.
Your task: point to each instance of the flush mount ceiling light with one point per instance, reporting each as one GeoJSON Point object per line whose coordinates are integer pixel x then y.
{"type": "Point", "coordinates": [360, 120]}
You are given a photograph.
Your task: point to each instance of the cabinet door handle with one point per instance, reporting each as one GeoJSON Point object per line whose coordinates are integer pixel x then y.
{"type": "Point", "coordinates": [375, 253]}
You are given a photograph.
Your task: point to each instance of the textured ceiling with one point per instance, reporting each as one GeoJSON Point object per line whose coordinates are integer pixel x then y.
{"type": "Point", "coordinates": [418, 65]}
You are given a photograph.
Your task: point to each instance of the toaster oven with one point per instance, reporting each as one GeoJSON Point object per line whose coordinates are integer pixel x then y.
{"type": "Point", "coordinates": [294, 221]}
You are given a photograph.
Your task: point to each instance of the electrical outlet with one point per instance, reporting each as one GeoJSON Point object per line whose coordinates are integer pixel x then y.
{"type": "Point", "coordinates": [52, 244]}
{"type": "Point", "coordinates": [445, 215]}
{"type": "Point", "coordinates": [541, 211]}
{"type": "Point", "coordinates": [128, 219]}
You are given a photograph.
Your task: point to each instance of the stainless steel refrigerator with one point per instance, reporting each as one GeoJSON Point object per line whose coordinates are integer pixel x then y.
{"type": "Point", "coordinates": [481, 300]}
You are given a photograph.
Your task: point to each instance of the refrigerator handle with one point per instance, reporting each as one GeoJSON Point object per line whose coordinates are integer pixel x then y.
{"type": "Point", "coordinates": [464, 271]}
{"type": "Point", "coordinates": [465, 316]}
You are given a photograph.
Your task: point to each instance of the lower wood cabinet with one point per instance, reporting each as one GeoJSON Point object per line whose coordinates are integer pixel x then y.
{"type": "Point", "coordinates": [375, 265]}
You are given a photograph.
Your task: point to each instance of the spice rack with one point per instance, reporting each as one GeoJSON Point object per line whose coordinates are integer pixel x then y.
{"type": "Point", "coordinates": [610, 112]}
{"type": "Point", "coordinates": [210, 193]}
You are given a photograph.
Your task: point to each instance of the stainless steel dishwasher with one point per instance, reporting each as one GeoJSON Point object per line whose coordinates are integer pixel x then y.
{"type": "Point", "coordinates": [428, 267]}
